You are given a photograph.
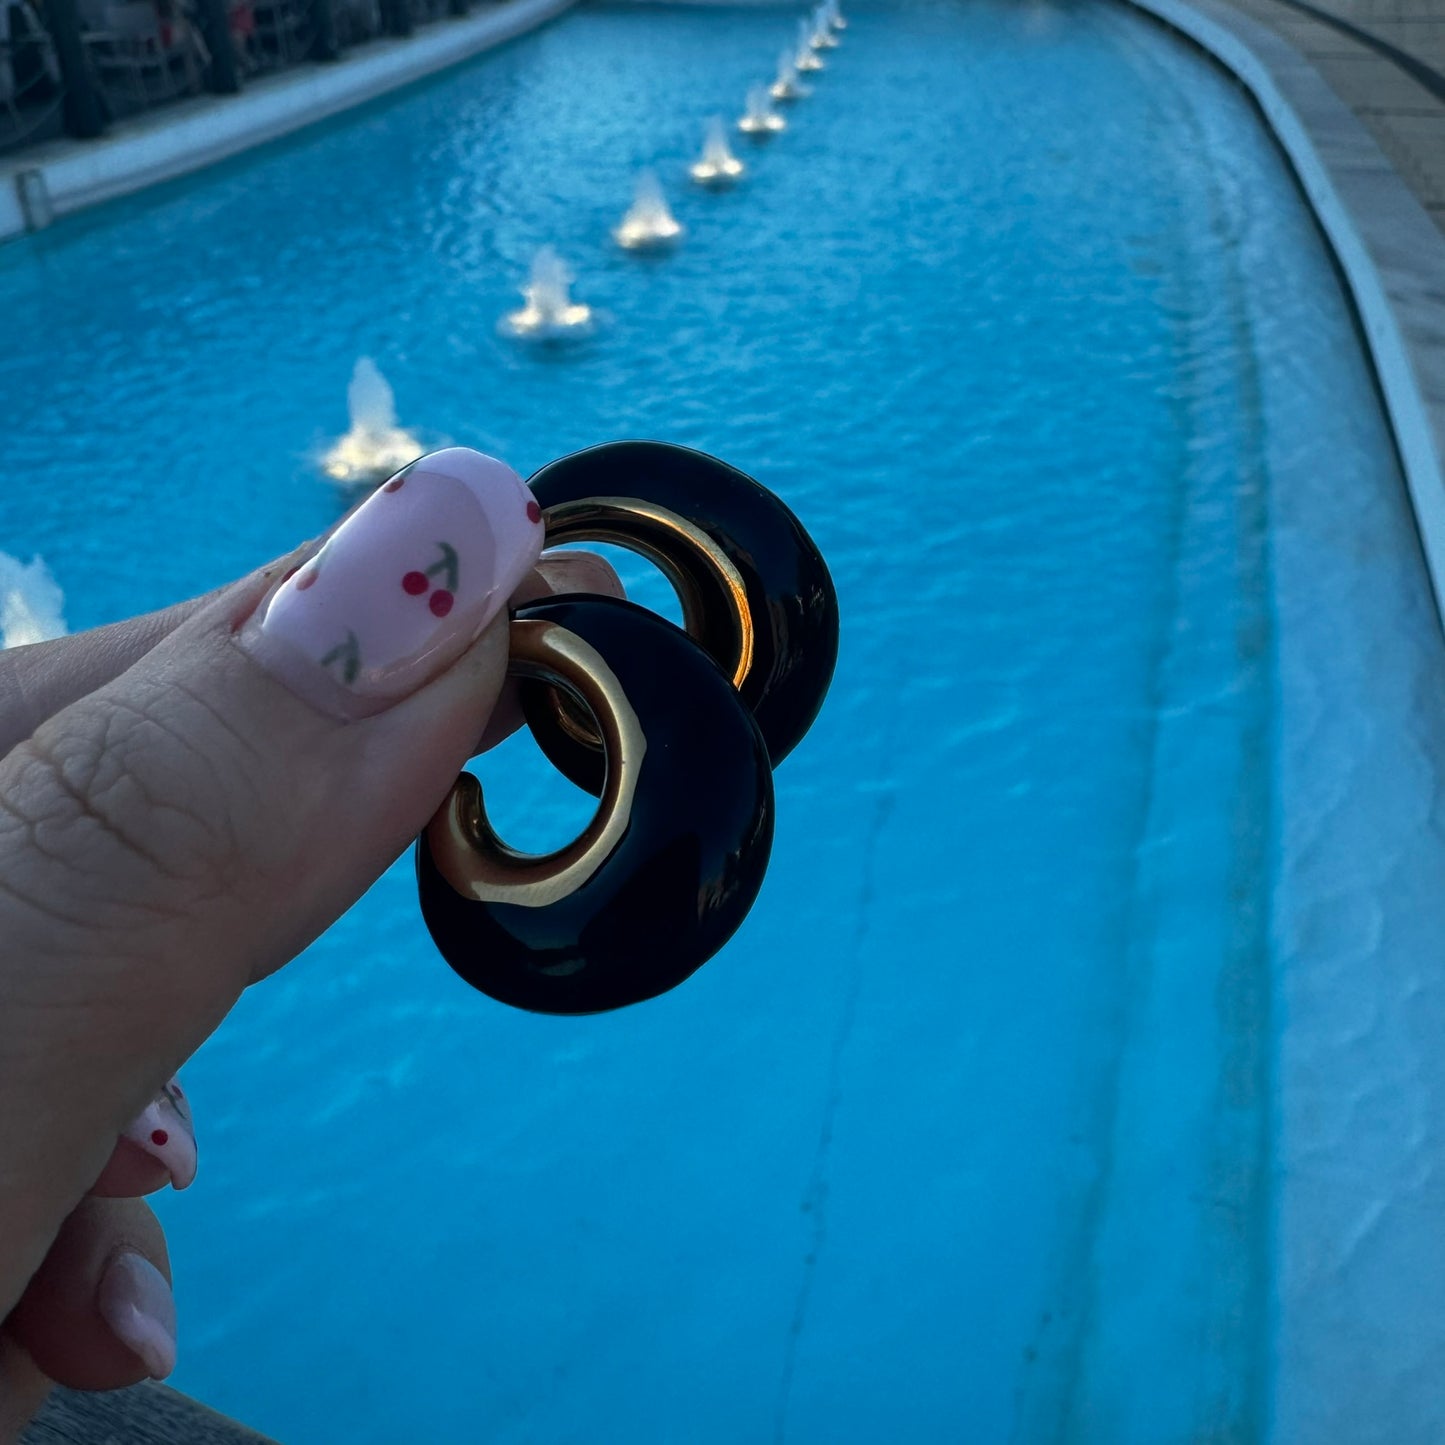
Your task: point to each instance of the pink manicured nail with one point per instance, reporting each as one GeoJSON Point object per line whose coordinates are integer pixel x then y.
{"type": "Point", "coordinates": [136, 1302]}
{"type": "Point", "coordinates": [403, 587]}
{"type": "Point", "coordinates": [164, 1129]}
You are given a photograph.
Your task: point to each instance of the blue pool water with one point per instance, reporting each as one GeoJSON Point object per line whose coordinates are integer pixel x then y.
{"type": "Point", "coordinates": [966, 1135]}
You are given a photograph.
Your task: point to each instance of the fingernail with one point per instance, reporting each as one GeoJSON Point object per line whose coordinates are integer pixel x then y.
{"type": "Point", "coordinates": [164, 1129]}
{"type": "Point", "coordinates": [136, 1302]}
{"type": "Point", "coordinates": [403, 587]}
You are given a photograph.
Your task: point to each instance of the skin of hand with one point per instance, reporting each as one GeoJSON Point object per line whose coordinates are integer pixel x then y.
{"type": "Point", "coordinates": [187, 800]}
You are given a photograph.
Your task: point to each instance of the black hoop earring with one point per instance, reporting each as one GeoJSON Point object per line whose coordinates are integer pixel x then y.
{"type": "Point", "coordinates": [666, 729]}
{"type": "Point", "coordinates": [755, 590]}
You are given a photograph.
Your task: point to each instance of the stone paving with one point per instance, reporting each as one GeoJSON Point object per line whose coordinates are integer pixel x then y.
{"type": "Point", "coordinates": [1406, 118]}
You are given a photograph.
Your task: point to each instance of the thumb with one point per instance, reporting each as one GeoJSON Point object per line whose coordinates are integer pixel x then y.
{"type": "Point", "coordinates": [190, 826]}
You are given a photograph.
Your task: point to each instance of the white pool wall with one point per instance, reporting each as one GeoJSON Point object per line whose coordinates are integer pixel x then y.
{"type": "Point", "coordinates": [1358, 903]}
{"type": "Point", "coordinates": [71, 175]}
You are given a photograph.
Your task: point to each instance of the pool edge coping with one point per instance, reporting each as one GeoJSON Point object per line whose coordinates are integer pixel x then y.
{"type": "Point", "coordinates": [1389, 250]}
{"type": "Point", "coordinates": [163, 145]}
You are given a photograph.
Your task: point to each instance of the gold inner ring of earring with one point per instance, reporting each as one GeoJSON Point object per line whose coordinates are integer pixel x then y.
{"type": "Point", "coordinates": [467, 851]}
{"type": "Point", "coordinates": [663, 537]}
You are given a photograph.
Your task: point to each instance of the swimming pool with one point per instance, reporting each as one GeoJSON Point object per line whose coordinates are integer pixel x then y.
{"type": "Point", "coordinates": [968, 1133]}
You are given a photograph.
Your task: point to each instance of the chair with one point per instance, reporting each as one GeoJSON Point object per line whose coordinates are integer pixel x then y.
{"type": "Point", "coordinates": [148, 52]}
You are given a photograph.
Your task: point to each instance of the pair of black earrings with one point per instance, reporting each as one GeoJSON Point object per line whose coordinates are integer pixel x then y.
{"type": "Point", "coordinates": [674, 730]}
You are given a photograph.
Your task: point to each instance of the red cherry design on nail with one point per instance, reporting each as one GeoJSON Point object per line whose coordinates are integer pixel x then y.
{"type": "Point", "coordinates": [534, 512]}
{"type": "Point", "coordinates": [418, 584]}
{"type": "Point", "coordinates": [159, 1136]}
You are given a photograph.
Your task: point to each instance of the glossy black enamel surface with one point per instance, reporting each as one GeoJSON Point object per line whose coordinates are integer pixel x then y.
{"type": "Point", "coordinates": [684, 875]}
{"type": "Point", "coordinates": [790, 594]}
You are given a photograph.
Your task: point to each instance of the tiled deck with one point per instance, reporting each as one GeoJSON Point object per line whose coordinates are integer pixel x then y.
{"type": "Point", "coordinates": [1404, 113]}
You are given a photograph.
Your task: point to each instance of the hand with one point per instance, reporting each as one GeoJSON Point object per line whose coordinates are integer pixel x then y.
{"type": "Point", "coordinates": [186, 801]}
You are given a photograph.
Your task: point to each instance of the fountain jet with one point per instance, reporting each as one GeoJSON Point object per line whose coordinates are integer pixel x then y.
{"type": "Point", "coordinates": [822, 37]}
{"type": "Point", "coordinates": [760, 120]}
{"type": "Point", "coordinates": [834, 15]}
{"type": "Point", "coordinates": [787, 86]}
{"type": "Point", "coordinates": [31, 603]}
{"type": "Point", "coordinates": [550, 314]}
{"type": "Point", "coordinates": [806, 57]}
{"type": "Point", "coordinates": [718, 166]}
{"type": "Point", "coordinates": [376, 446]}
{"type": "Point", "coordinates": [649, 225]}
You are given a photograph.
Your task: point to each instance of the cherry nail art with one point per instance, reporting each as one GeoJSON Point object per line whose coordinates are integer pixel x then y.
{"type": "Point", "coordinates": [403, 586]}
{"type": "Point", "coordinates": [163, 1129]}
